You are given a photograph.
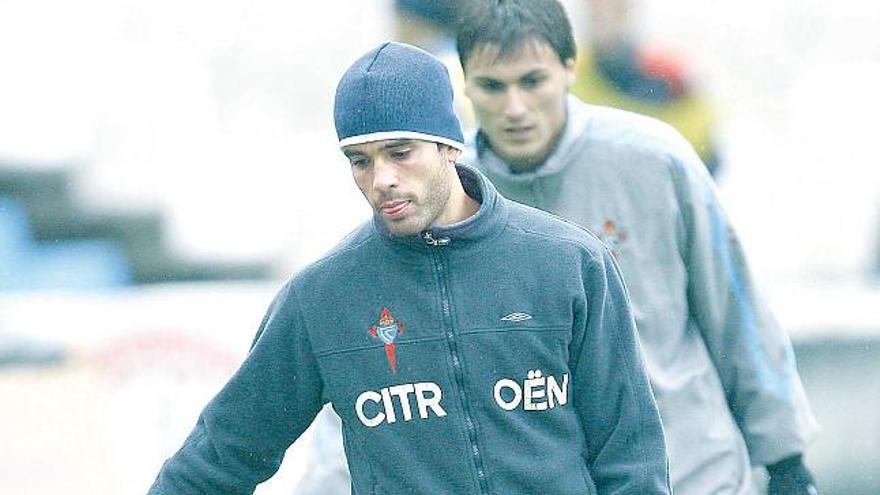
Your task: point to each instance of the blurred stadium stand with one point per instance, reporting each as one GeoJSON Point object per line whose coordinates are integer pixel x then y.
{"type": "Point", "coordinates": [48, 241]}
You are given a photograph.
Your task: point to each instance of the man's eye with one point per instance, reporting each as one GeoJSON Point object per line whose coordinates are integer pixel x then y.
{"type": "Point", "coordinates": [401, 154]}
{"type": "Point", "coordinates": [359, 162]}
{"type": "Point", "coordinates": [531, 82]}
{"type": "Point", "coordinates": [491, 86]}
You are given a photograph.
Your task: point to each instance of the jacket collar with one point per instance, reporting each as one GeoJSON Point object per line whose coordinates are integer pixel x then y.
{"type": "Point", "coordinates": [489, 220]}
{"type": "Point", "coordinates": [576, 123]}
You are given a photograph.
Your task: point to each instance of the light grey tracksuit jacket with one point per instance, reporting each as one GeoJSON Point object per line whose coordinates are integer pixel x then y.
{"type": "Point", "coordinates": [721, 368]}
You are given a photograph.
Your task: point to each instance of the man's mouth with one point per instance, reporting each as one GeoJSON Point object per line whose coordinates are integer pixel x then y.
{"type": "Point", "coordinates": [518, 133]}
{"type": "Point", "coordinates": [394, 208]}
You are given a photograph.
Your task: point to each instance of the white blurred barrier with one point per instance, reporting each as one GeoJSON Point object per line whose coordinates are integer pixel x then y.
{"type": "Point", "coordinates": [142, 364]}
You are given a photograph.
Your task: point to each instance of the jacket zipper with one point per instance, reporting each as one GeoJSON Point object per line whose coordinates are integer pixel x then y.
{"type": "Point", "coordinates": [458, 371]}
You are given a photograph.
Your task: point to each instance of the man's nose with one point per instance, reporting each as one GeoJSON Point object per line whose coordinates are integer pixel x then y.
{"type": "Point", "coordinates": [514, 104]}
{"type": "Point", "coordinates": [384, 175]}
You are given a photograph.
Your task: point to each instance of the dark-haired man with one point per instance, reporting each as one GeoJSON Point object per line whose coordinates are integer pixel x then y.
{"type": "Point", "coordinates": [470, 344]}
{"type": "Point", "coordinates": [721, 368]}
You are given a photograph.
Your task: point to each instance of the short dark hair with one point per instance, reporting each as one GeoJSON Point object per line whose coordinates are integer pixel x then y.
{"type": "Point", "coordinates": [510, 23]}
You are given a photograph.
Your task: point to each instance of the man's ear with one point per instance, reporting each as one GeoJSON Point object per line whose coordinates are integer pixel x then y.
{"type": "Point", "coordinates": [570, 72]}
{"type": "Point", "coordinates": [451, 154]}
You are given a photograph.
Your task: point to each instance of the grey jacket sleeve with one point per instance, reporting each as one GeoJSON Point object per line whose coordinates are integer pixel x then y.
{"type": "Point", "coordinates": [626, 446]}
{"type": "Point", "coordinates": [327, 467]}
{"type": "Point", "coordinates": [242, 434]}
{"type": "Point", "coordinates": [752, 354]}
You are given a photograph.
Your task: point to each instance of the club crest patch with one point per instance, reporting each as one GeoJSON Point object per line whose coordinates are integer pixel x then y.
{"type": "Point", "coordinates": [614, 237]}
{"type": "Point", "coordinates": [387, 331]}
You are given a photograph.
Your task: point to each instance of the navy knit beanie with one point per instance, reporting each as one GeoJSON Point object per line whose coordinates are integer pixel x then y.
{"type": "Point", "coordinates": [396, 91]}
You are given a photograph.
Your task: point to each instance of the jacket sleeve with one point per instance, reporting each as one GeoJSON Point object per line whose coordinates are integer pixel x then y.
{"type": "Point", "coordinates": [752, 354]}
{"type": "Point", "coordinates": [242, 434]}
{"type": "Point", "coordinates": [625, 442]}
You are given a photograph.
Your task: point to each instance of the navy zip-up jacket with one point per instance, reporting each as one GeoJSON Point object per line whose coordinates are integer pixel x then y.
{"type": "Point", "coordinates": [494, 356]}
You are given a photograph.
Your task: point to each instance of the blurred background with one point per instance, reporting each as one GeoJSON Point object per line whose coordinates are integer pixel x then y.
{"type": "Point", "coordinates": [165, 166]}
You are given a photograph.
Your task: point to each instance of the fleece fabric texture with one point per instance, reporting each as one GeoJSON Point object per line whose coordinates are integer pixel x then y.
{"type": "Point", "coordinates": [396, 91]}
{"type": "Point", "coordinates": [494, 356]}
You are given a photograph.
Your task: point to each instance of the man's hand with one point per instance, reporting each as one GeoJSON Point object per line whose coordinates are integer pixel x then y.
{"type": "Point", "coordinates": [790, 477]}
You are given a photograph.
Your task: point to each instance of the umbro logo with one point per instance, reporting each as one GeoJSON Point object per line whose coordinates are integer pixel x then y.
{"type": "Point", "coordinates": [516, 317]}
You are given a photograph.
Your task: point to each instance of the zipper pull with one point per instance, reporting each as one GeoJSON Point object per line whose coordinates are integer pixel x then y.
{"type": "Point", "coordinates": [429, 239]}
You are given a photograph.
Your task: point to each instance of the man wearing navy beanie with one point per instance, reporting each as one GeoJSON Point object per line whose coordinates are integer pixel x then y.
{"type": "Point", "coordinates": [469, 344]}
{"type": "Point", "coordinates": [396, 100]}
